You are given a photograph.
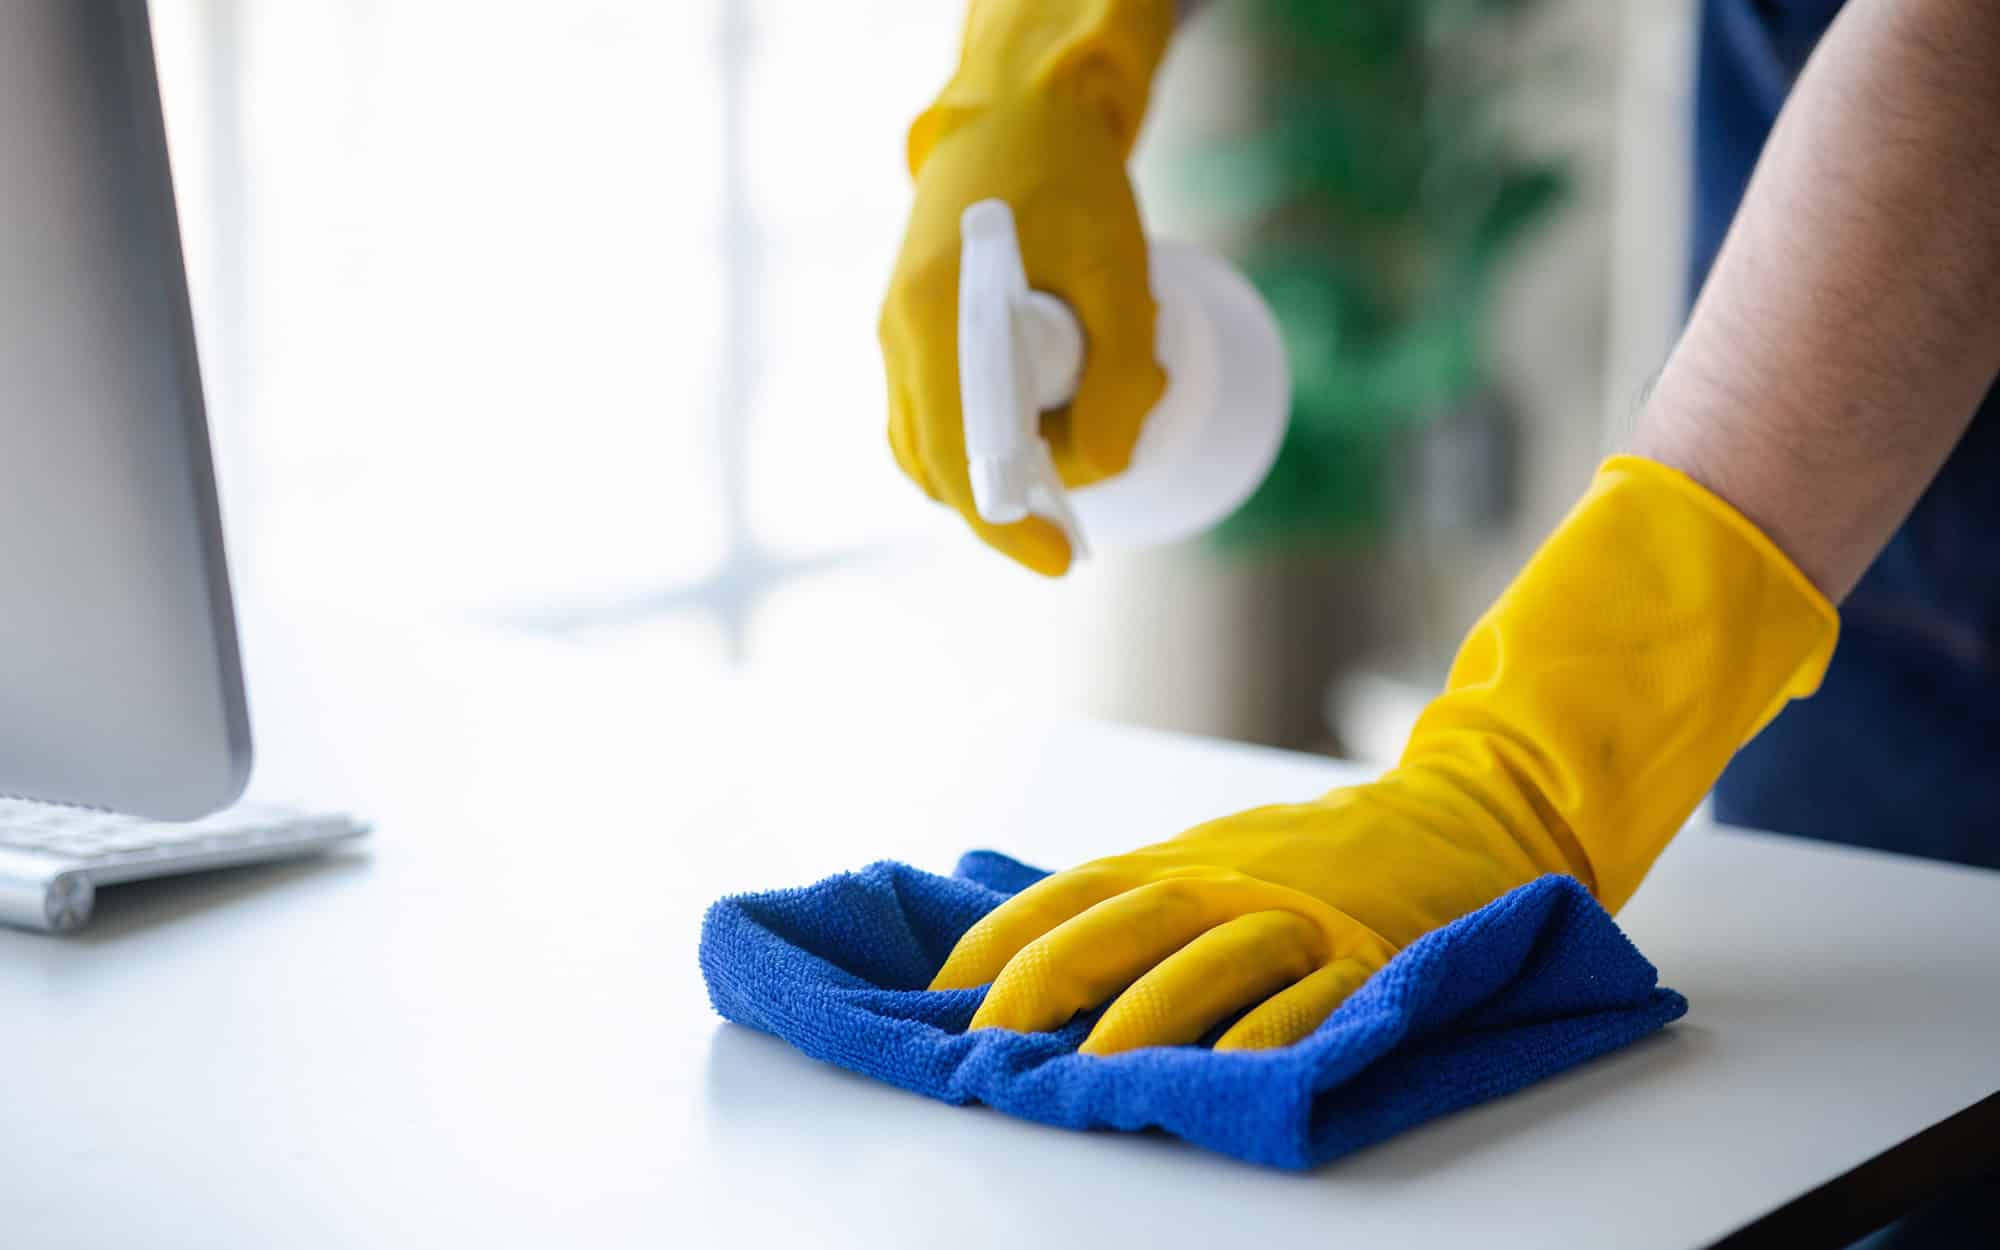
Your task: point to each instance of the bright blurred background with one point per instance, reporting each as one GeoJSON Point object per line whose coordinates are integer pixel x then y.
{"type": "Point", "coordinates": [558, 319]}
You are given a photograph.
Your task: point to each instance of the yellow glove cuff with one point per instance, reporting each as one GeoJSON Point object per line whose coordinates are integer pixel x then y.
{"type": "Point", "coordinates": [1591, 708]}
{"type": "Point", "coordinates": [1107, 50]}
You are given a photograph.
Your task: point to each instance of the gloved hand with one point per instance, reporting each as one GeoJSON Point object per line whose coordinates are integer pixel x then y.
{"type": "Point", "coordinates": [1042, 113]}
{"type": "Point", "coordinates": [1585, 716]}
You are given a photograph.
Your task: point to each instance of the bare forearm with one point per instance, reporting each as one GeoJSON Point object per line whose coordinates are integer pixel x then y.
{"type": "Point", "coordinates": [1852, 321]}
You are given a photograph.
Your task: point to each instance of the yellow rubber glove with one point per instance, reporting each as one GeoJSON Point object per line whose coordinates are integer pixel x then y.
{"type": "Point", "coordinates": [1042, 113]}
{"type": "Point", "coordinates": [1587, 713]}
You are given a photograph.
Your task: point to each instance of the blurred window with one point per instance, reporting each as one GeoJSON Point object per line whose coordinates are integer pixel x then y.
{"type": "Point", "coordinates": [561, 317]}
{"type": "Point", "coordinates": [552, 311]}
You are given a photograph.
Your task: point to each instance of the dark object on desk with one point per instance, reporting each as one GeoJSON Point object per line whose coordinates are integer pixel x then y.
{"type": "Point", "coordinates": [1534, 983]}
{"type": "Point", "coordinates": [1941, 1188]}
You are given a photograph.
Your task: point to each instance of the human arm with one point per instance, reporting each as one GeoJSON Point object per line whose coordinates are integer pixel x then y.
{"type": "Point", "coordinates": [1851, 323]}
{"type": "Point", "coordinates": [1845, 338]}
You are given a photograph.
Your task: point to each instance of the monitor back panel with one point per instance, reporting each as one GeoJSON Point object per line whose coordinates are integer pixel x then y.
{"type": "Point", "coordinates": [120, 684]}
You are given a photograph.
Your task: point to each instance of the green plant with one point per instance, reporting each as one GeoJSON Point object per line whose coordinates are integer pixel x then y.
{"type": "Point", "coordinates": [1383, 193]}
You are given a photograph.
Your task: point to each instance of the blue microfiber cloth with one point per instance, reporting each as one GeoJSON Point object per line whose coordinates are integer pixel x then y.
{"type": "Point", "coordinates": [1531, 984]}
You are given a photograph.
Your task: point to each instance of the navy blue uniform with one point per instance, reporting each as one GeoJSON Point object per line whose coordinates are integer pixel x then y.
{"type": "Point", "coordinates": [1901, 747]}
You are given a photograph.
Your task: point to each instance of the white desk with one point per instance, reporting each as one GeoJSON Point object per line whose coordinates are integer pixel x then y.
{"type": "Point", "coordinates": [489, 1030]}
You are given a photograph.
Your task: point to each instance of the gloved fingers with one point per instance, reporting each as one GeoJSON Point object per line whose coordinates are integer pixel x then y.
{"type": "Point", "coordinates": [899, 331]}
{"type": "Point", "coordinates": [984, 949]}
{"type": "Point", "coordinates": [1226, 969]}
{"type": "Point", "coordinates": [1294, 1012]}
{"type": "Point", "coordinates": [1036, 543]}
{"type": "Point", "coordinates": [1088, 959]}
{"type": "Point", "coordinates": [1092, 439]}
{"type": "Point", "coordinates": [903, 441]}
{"type": "Point", "coordinates": [938, 440]}
{"type": "Point", "coordinates": [1091, 253]}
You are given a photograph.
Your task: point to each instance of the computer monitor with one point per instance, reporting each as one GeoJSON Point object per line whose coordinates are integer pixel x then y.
{"type": "Point", "coordinates": [120, 682]}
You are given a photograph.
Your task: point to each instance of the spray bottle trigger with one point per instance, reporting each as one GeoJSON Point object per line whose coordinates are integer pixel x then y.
{"type": "Point", "coordinates": [1019, 352]}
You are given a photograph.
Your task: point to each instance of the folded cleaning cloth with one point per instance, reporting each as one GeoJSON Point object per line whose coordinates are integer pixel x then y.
{"type": "Point", "coordinates": [1533, 983]}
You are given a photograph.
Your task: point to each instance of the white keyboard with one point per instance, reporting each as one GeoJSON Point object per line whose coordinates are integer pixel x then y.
{"type": "Point", "coordinates": [53, 858]}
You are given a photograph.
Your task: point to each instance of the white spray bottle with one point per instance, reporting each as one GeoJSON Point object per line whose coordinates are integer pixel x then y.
{"type": "Point", "coordinates": [1205, 446]}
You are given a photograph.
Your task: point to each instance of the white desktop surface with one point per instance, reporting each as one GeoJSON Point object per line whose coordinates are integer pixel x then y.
{"type": "Point", "coordinates": [489, 1030]}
